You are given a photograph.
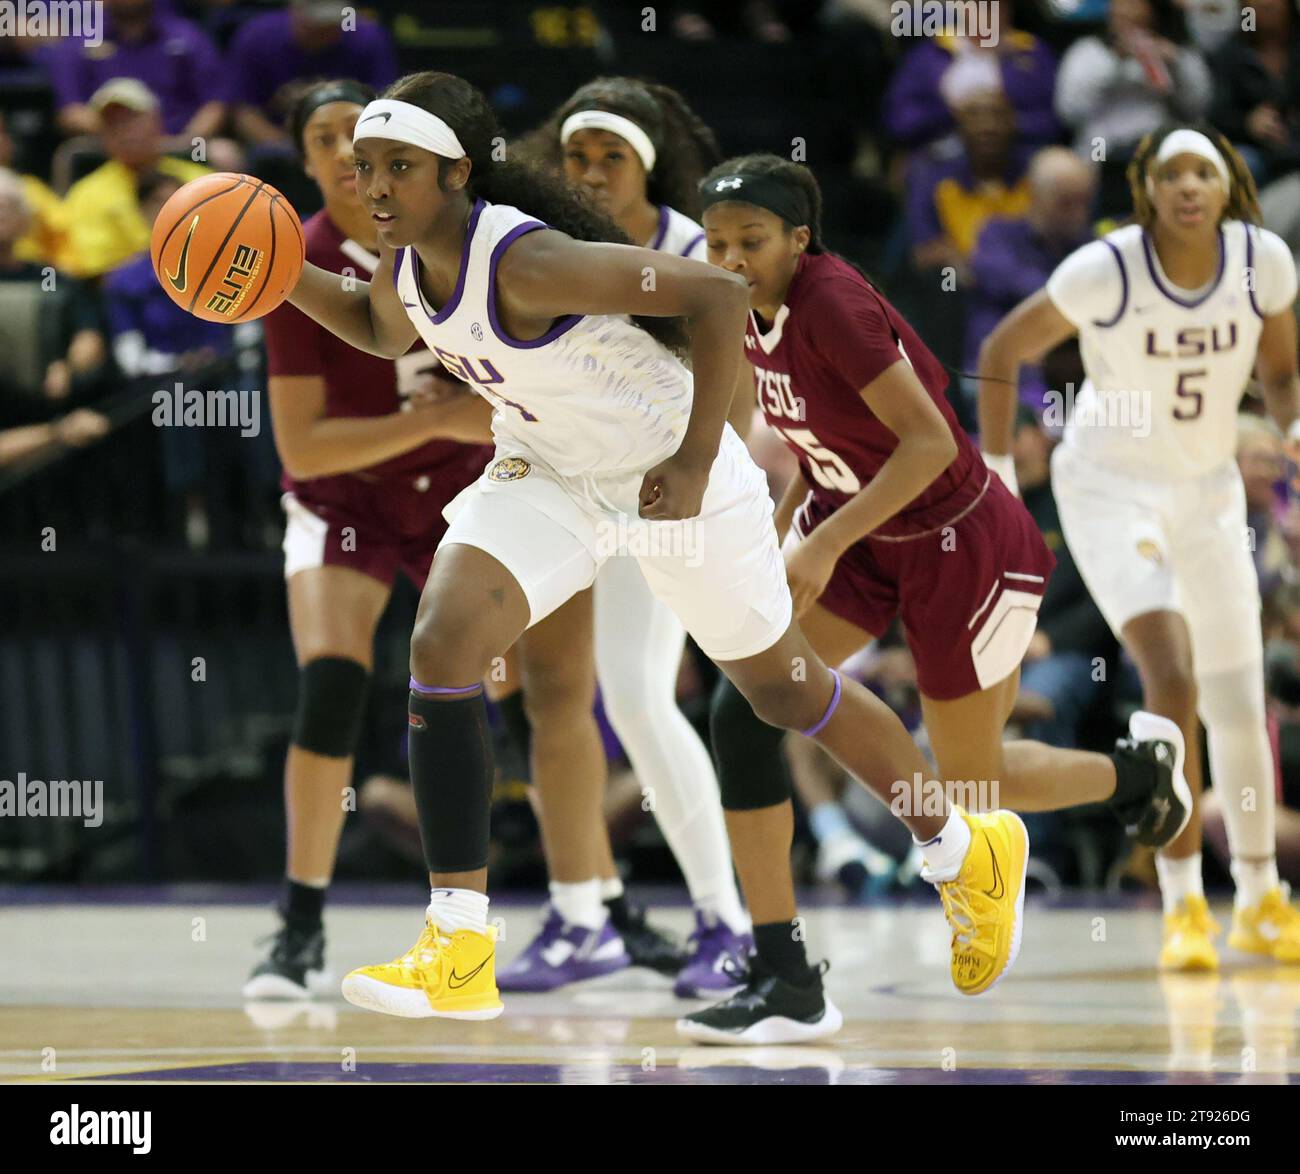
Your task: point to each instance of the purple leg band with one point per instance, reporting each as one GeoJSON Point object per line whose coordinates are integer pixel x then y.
{"type": "Point", "coordinates": [813, 731]}
{"type": "Point", "coordinates": [445, 692]}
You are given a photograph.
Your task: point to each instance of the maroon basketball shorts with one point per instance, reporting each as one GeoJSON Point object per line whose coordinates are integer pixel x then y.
{"type": "Point", "coordinates": [967, 592]}
{"type": "Point", "coordinates": [373, 526]}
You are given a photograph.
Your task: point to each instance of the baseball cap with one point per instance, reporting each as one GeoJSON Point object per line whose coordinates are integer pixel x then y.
{"type": "Point", "coordinates": [124, 91]}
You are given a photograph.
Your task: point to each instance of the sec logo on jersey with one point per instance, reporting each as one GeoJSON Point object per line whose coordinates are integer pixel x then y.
{"type": "Point", "coordinates": [510, 469]}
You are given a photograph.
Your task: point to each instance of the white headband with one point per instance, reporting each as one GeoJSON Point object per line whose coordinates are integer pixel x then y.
{"type": "Point", "coordinates": [1191, 142]}
{"type": "Point", "coordinates": [616, 124]}
{"type": "Point", "coordinates": [385, 119]}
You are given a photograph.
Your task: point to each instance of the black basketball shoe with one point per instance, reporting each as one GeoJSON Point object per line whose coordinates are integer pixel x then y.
{"type": "Point", "coordinates": [767, 1010]}
{"type": "Point", "coordinates": [646, 945]}
{"type": "Point", "coordinates": [294, 968]}
{"type": "Point", "coordinates": [1152, 799]}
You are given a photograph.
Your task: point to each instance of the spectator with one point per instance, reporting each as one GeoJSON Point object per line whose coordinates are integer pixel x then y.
{"type": "Point", "coordinates": [152, 335]}
{"type": "Point", "coordinates": [1257, 91]}
{"type": "Point", "coordinates": [172, 56]}
{"type": "Point", "coordinates": [916, 113]}
{"type": "Point", "coordinates": [1058, 681]}
{"type": "Point", "coordinates": [1014, 257]}
{"type": "Point", "coordinates": [1113, 90]}
{"type": "Point", "coordinates": [102, 212]}
{"type": "Point", "coordinates": [305, 40]}
{"type": "Point", "coordinates": [49, 326]}
{"type": "Point", "coordinates": [1263, 468]}
{"type": "Point", "coordinates": [46, 239]}
{"type": "Point", "coordinates": [950, 199]}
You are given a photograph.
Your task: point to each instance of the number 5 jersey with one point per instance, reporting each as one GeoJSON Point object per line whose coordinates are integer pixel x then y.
{"type": "Point", "coordinates": [1166, 366]}
{"type": "Point", "coordinates": [834, 335]}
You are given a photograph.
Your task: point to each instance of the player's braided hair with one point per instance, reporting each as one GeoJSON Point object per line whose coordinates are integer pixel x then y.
{"type": "Point", "coordinates": [500, 178]}
{"type": "Point", "coordinates": [684, 147]}
{"type": "Point", "coordinates": [1243, 199]}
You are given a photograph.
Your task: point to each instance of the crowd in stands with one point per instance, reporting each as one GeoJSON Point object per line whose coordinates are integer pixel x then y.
{"type": "Point", "coordinates": [1000, 152]}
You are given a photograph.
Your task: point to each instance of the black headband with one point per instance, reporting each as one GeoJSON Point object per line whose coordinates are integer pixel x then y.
{"type": "Point", "coordinates": [346, 90]}
{"type": "Point", "coordinates": [763, 191]}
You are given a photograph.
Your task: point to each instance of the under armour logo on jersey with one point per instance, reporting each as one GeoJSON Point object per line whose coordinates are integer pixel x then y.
{"type": "Point", "coordinates": [477, 331]}
{"type": "Point", "coordinates": [728, 184]}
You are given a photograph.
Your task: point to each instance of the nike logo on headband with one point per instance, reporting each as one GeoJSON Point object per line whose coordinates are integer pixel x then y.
{"type": "Point", "coordinates": [384, 114]}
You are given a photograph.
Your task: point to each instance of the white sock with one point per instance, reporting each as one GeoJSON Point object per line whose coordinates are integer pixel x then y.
{"type": "Point", "coordinates": [579, 904]}
{"type": "Point", "coordinates": [611, 888]}
{"type": "Point", "coordinates": [726, 907]}
{"type": "Point", "coordinates": [1255, 879]}
{"type": "Point", "coordinates": [453, 909]}
{"type": "Point", "coordinates": [944, 854]}
{"type": "Point", "coordinates": [1179, 879]}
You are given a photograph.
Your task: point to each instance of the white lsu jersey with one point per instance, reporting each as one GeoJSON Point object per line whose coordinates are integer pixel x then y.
{"type": "Point", "coordinates": [679, 235]}
{"type": "Point", "coordinates": [1166, 367]}
{"type": "Point", "coordinates": [593, 395]}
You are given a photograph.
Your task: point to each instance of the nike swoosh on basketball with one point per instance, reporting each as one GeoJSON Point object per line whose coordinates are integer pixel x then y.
{"type": "Point", "coordinates": [998, 889]}
{"type": "Point", "coordinates": [456, 981]}
{"type": "Point", "coordinates": [182, 262]}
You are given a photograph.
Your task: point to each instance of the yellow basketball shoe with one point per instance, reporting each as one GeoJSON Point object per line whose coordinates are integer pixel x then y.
{"type": "Point", "coordinates": [1272, 927]}
{"type": "Point", "coordinates": [985, 902]}
{"type": "Point", "coordinates": [451, 976]}
{"type": "Point", "coordinates": [1189, 937]}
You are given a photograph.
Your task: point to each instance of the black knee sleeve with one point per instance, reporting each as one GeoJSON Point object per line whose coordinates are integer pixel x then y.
{"type": "Point", "coordinates": [450, 753]}
{"type": "Point", "coordinates": [752, 771]}
{"type": "Point", "coordinates": [331, 700]}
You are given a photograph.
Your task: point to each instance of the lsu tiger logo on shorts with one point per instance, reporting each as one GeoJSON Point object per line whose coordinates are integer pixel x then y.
{"type": "Point", "coordinates": [510, 469]}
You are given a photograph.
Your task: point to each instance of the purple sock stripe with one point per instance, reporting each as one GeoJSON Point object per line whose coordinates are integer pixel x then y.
{"type": "Point", "coordinates": [813, 731]}
{"type": "Point", "coordinates": [450, 692]}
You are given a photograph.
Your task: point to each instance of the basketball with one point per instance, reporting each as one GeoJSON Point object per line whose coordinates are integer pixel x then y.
{"type": "Point", "coordinates": [227, 247]}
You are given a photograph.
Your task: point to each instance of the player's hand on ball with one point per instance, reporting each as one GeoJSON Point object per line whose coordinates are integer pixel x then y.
{"type": "Point", "coordinates": [808, 568]}
{"type": "Point", "coordinates": [674, 489]}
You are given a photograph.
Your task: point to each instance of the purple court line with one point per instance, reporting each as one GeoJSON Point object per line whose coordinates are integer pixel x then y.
{"type": "Point", "coordinates": [396, 895]}
{"type": "Point", "coordinates": [314, 1072]}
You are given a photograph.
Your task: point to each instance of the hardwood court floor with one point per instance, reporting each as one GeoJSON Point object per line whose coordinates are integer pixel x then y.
{"type": "Point", "coordinates": [144, 991]}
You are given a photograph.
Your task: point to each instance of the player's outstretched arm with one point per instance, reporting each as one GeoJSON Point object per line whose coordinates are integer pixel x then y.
{"type": "Point", "coordinates": [547, 274]}
{"type": "Point", "coordinates": [1031, 330]}
{"type": "Point", "coordinates": [366, 315]}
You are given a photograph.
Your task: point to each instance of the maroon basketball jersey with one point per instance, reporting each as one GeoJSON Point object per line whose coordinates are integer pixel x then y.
{"type": "Point", "coordinates": [833, 336]}
{"type": "Point", "coordinates": [356, 383]}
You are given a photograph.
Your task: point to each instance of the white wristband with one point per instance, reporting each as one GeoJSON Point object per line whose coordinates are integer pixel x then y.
{"type": "Point", "coordinates": [1004, 465]}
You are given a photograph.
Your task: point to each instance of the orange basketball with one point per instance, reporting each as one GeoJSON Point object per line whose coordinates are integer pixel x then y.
{"type": "Point", "coordinates": [228, 248]}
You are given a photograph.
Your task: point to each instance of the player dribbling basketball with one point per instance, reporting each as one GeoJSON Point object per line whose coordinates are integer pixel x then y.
{"type": "Point", "coordinates": [598, 424]}
{"type": "Point", "coordinates": [366, 479]}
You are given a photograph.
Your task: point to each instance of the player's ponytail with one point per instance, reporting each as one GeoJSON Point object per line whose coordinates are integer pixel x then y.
{"type": "Point", "coordinates": [499, 177]}
{"type": "Point", "coordinates": [1243, 199]}
{"type": "Point", "coordinates": [684, 146]}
